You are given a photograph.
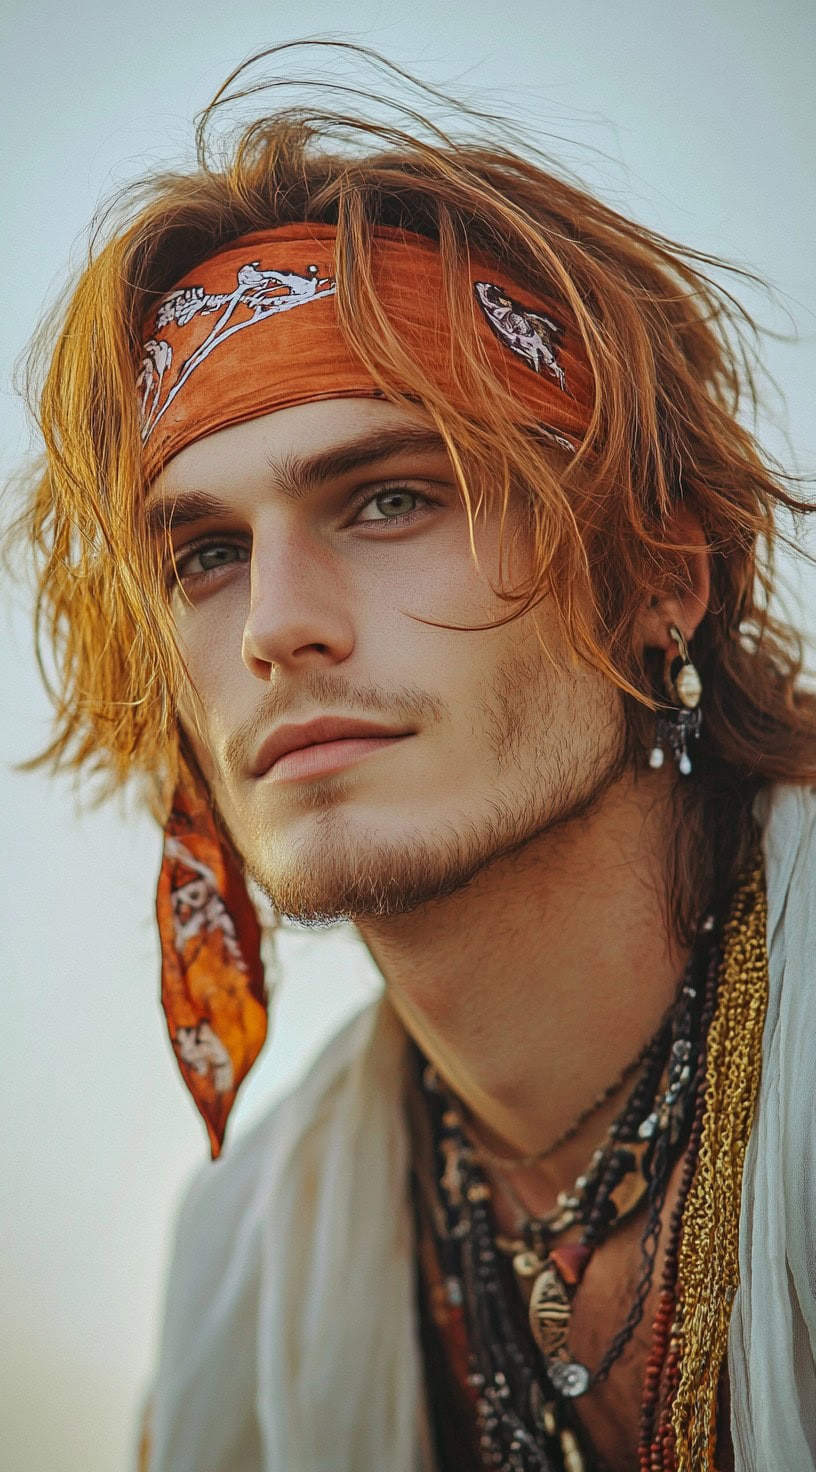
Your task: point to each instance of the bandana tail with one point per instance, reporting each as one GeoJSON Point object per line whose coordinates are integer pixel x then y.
{"type": "Point", "coordinates": [213, 989]}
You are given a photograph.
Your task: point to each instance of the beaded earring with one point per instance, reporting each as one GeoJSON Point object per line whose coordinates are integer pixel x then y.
{"type": "Point", "coordinates": [676, 727]}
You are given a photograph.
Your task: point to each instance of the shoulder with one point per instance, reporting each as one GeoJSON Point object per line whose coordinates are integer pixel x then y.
{"type": "Point", "coordinates": [233, 1208]}
{"type": "Point", "coordinates": [785, 803]}
{"type": "Point", "coordinates": [786, 815]}
{"type": "Point", "coordinates": [222, 1192]}
{"type": "Point", "coordinates": [261, 1252]}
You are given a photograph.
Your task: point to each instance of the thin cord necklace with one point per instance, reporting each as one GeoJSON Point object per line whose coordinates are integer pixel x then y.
{"type": "Point", "coordinates": [522, 1397]}
{"type": "Point", "coordinates": [526, 1162]}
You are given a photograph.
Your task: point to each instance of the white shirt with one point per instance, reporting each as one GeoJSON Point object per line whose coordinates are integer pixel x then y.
{"type": "Point", "coordinates": [290, 1337]}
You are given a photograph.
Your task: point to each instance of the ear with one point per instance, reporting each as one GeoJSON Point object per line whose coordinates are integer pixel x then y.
{"type": "Point", "coordinates": [684, 602]}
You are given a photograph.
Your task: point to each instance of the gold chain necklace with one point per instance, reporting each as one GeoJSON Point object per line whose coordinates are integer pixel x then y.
{"type": "Point", "coordinates": [708, 1260]}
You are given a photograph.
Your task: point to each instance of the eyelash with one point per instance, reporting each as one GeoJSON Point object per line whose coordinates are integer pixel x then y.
{"type": "Point", "coordinates": [173, 567]}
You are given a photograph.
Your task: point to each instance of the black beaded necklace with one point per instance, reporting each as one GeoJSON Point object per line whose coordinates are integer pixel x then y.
{"type": "Point", "coordinates": [523, 1374]}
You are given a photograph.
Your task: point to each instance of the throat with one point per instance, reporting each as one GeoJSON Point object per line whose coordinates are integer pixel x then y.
{"type": "Point", "coordinates": [534, 988]}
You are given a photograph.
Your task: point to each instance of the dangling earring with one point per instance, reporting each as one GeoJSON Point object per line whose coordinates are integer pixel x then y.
{"type": "Point", "coordinates": [676, 727]}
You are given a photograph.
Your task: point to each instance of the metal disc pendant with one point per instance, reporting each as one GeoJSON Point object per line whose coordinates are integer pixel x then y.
{"type": "Point", "coordinates": [570, 1379]}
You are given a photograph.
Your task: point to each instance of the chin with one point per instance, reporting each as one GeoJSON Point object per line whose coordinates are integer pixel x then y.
{"type": "Point", "coordinates": [333, 876]}
{"type": "Point", "coordinates": [340, 876]}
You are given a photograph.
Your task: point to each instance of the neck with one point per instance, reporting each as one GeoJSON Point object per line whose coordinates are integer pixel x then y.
{"type": "Point", "coordinates": [532, 988]}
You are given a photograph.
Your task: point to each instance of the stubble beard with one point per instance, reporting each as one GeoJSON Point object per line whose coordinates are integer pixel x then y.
{"type": "Point", "coordinates": [344, 873]}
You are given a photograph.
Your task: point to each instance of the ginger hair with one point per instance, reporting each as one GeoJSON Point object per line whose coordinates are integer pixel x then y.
{"type": "Point", "coordinates": [670, 352]}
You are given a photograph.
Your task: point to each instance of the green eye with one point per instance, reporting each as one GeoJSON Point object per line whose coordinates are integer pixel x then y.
{"type": "Point", "coordinates": [396, 502]}
{"type": "Point", "coordinates": [197, 562]}
{"type": "Point", "coordinates": [393, 505]}
{"type": "Point", "coordinates": [217, 555]}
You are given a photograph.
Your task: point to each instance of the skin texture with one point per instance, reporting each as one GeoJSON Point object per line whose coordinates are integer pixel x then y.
{"type": "Point", "coordinates": [504, 868]}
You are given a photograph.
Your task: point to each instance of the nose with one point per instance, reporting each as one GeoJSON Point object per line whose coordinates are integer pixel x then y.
{"type": "Point", "coordinates": [299, 613]}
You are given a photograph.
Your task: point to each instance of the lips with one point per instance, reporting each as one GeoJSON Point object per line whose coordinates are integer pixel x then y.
{"type": "Point", "coordinates": [314, 733]}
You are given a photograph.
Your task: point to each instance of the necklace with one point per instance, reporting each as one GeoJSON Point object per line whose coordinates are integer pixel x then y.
{"type": "Point", "coordinates": [525, 1162]}
{"type": "Point", "coordinates": [523, 1389]}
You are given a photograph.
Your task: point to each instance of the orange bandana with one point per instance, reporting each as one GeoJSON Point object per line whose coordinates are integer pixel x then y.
{"type": "Point", "coordinates": [254, 329]}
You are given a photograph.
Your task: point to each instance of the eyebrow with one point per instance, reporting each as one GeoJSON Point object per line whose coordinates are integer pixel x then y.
{"type": "Point", "coordinates": [295, 476]}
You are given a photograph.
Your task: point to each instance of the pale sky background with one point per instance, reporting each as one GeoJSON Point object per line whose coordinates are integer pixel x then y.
{"type": "Point", "coordinates": [703, 118]}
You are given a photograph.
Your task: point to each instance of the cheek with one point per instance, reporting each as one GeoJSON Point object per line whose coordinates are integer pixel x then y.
{"type": "Point", "coordinates": [209, 633]}
{"type": "Point", "coordinates": [209, 663]}
{"type": "Point", "coordinates": [436, 579]}
{"type": "Point", "coordinates": [211, 652]}
{"type": "Point", "coordinates": [206, 632]}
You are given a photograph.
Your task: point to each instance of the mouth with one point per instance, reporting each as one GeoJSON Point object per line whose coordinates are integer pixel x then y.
{"type": "Point", "coordinates": [322, 758]}
{"type": "Point", "coordinates": [313, 748]}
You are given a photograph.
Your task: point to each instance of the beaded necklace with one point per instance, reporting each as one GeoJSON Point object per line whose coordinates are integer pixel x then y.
{"type": "Point", "coordinates": [522, 1398]}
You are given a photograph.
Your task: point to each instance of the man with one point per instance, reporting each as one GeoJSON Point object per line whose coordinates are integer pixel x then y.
{"type": "Point", "coordinates": [399, 530]}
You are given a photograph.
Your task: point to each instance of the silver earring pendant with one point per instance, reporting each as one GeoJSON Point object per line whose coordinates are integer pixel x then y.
{"type": "Point", "coordinates": [677, 727]}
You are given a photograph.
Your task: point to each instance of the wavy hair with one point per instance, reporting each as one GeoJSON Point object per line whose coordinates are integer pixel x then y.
{"type": "Point", "coordinates": [673, 358]}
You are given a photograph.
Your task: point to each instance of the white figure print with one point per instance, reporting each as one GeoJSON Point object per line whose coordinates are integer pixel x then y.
{"type": "Point", "coordinates": [155, 363]}
{"type": "Point", "coordinates": [198, 907]}
{"type": "Point", "coordinates": [529, 334]}
{"type": "Point", "coordinates": [261, 293]}
{"type": "Point", "coordinates": [182, 305]}
{"type": "Point", "coordinates": [300, 288]}
{"type": "Point", "coordinates": [203, 1051]}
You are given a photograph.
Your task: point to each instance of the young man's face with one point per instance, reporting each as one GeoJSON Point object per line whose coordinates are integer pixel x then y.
{"type": "Point", "coordinates": [339, 531]}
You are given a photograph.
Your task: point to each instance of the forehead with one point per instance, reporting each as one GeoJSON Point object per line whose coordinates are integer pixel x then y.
{"type": "Point", "coordinates": [273, 445]}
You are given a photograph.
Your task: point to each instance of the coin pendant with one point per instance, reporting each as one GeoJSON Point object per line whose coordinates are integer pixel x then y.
{"type": "Point", "coordinates": [570, 1379]}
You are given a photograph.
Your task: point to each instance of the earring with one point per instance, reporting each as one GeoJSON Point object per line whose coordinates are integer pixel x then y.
{"type": "Point", "coordinates": [675, 728]}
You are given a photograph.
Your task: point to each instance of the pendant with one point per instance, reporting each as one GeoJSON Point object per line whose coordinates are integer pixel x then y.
{"type": "Point", "coordinates": [549, 1311]}
{"type": "Point", "coordinates": [527, 1264]}
{"type": "Point", "coordinates": [568, 1377]}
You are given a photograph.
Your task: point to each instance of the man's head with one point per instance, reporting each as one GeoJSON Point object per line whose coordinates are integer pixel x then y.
{"type": "Point", "coordinates": [590, 550]}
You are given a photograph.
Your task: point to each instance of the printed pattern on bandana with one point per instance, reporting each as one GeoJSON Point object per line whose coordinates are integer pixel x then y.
{"type": "Point", "coordinates": [213, 991]}
{"type": "Point", "coordinates": [258, 294]}
{"type": "Point", "coordinates": [201, 371]}
{"type": "Point", "coordinates": [526, 332]}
